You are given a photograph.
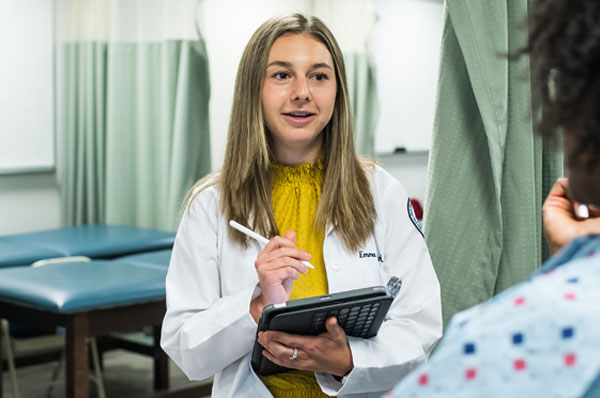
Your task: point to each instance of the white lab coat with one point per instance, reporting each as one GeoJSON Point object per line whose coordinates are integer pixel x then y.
{"type": "Point", "coordinates": [208, 329]}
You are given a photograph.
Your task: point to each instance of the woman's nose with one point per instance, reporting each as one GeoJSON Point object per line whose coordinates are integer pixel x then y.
{"type": "Point", "coordinates": [301, 91]}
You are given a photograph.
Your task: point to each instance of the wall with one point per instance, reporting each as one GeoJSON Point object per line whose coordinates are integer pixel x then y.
{"type": "Point", "coordinates": [410, 169]}
{"type": "Point", "coordinates": [26, 116]}
{"type": "Point", "coordinates": [407, 42]}
{"type": "Point", "coordinates": [28, 202]}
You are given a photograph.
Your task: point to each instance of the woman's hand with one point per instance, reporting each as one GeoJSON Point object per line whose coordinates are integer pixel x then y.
{"type": "Point", "coordinates": [561, 224]}
{"type": "Point", "coordinates": [277, 265]}
{"type": "Point", "coordinates": [328, 352]}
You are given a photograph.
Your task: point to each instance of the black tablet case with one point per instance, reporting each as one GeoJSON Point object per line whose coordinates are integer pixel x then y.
{"type": "Point", "coordinates": [307, 317]}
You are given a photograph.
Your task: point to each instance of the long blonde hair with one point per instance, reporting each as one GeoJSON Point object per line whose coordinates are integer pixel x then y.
{"type": "Point", "coordinates": [346, 201]}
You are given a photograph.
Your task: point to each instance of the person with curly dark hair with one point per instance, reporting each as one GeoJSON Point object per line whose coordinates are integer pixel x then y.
{"type": "Point", "coordinates": [541, 338]}
{"type": "Point", "coordinates": [565, 47]}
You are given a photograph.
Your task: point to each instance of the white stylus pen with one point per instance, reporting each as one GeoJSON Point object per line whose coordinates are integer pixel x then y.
{"type": "Point", "coordinates": [259, 238]}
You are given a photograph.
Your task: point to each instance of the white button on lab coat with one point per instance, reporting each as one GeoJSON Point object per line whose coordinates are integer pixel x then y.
{"type": "Point", "coordinates": [208, 329]}
{"type": "Point", "coordinates": [336, 266]}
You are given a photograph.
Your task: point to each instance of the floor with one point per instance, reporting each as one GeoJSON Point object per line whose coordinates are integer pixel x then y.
{"type": "Point", "coordinates": [126, 375]}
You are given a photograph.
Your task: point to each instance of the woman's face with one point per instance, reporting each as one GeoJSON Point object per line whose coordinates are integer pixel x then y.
{"type": "Point", "coordinates": [298, 97]}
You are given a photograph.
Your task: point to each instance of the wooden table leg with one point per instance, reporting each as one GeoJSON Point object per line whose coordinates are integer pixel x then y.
{"type": "Point", "coordinates": [1, 360]}
{"type": "Point", "coordinates": [161, 363]}
{"type": "Point", "coordinates": [77, 356]}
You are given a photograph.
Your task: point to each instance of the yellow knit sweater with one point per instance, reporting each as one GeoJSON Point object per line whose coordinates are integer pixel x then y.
{"type": "Point", "coordinates": [296, 194]}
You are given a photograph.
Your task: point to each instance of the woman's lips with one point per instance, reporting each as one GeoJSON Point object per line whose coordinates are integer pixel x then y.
{"type": "Point", "coordinates": [299, 119]}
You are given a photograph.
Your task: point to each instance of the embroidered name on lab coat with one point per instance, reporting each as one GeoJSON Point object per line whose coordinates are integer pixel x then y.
{"type": "Point", "coordinates": [362, 254]}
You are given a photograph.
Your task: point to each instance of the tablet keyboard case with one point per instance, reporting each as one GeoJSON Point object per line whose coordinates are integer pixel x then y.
{"type": "Point", "coordinates": [359, 312]}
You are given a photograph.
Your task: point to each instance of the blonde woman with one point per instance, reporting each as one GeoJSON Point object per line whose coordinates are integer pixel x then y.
{"type": "Point", "coordinates": [291, 173]}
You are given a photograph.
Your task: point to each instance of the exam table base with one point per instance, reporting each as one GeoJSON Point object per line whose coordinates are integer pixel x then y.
{"type": "Point", "coordinates": [81, 325]}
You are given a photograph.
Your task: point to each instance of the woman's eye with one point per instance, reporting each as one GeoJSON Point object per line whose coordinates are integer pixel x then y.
{"type": "Point", "coordinates": [281, 75]}
{"type": "Point", "coordinates": [320, 77]}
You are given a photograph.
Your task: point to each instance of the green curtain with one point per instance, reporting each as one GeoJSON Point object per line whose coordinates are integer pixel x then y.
{"type": "Point", "coordinates": [488, 172]}
{"type": "Point", "coordinates": [362, 92]}
{"type": "Point", "coordinates": [135, 130]}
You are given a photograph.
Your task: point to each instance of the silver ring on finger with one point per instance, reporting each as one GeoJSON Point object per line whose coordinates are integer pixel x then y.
{"type": "Point", "coordinates": [294, 354]}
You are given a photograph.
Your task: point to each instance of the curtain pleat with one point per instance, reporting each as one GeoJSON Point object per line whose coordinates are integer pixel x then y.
{"type": "Point", "coordinates": [137, 133]}
{"type": "Point", "coordinates": [362, 90]}
{"type": "Point", "coordinates": [485, 176]}
{"type": "Point", "coordinates": [84, 71]}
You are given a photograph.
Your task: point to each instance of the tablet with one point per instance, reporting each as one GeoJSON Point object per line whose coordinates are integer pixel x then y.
{"type": "Point", "coordinates": [359, 312]}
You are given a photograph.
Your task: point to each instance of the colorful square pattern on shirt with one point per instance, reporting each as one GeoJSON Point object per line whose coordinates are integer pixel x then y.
{"type": "Point", "coordinates": [539, 339]}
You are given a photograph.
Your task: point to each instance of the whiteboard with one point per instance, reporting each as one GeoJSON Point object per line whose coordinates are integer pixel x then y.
{"type": "Point", "coordinates": [408, 35]}
{"type": "Point", "coordinates": [26, 86]}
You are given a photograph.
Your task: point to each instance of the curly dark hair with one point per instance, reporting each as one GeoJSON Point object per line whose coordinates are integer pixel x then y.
{"type": "Point", "coordinates": [564, 45]}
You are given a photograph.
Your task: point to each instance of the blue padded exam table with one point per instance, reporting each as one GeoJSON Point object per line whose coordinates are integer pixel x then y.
{"type": "Point", "coordinates": [88, 299]}
{"type": "Point", "coordinates": [93, 241]}
{"type": "Point", "coordinates": [158, 258]}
